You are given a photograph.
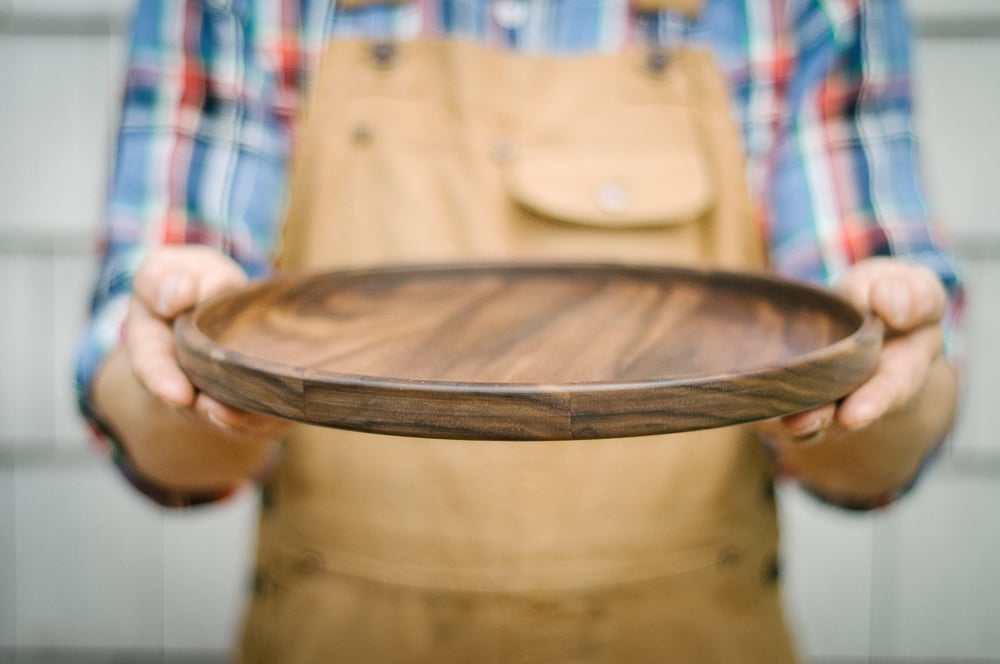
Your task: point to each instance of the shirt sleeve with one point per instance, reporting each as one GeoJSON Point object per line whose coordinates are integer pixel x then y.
{"type": "Point", "coordinates": [844, 183]}
{"type": "Point", "coordinates": [201, 157]}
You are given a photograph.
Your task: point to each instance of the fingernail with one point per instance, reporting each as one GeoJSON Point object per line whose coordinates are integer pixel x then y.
{"type": "Point", "coordinates": [860, 426]}
{"type": "Point", "coordinates": [810, 438]}
{"type": "Point", "coordinates": [815, 424]}
{"type": "Point", "coordinates": [213, 415]}
{"type": "Point", "coordinates": [899, 303]}
{"type": "Point", "coordinates": [214, 418]}
{"type": "Point", "coordinates": [168, 289]}
{"type": "Point", "coordinates": [811, 433]}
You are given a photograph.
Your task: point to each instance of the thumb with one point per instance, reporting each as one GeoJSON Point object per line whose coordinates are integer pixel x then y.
{"type": "Point", "coordinates": [175, 292]}
{"type": "Point", "coordinates": [174, 279]}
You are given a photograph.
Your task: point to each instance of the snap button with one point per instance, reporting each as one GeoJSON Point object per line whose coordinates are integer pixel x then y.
{"type": "Point", "coordinates": [729, 557]}
{"type": "Point", "coordinates": [510, 14]}
{"type": "Point", "coordinates": [263, 584]}
{"type": "Point", "coordinates": [612, 198]}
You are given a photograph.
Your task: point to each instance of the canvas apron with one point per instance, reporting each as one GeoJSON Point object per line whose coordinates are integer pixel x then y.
{"type": "Point", "coordinates": [383, 549]}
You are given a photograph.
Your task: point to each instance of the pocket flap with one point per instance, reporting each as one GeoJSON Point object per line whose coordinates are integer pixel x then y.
{"type": "Point", "coordinates": [634, 188]}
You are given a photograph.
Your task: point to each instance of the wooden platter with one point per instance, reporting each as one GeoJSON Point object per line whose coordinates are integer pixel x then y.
{"type": "Point", "coordinates": [527, 351]}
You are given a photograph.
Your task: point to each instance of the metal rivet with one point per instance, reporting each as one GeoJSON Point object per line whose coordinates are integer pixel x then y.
{"type": "Point", "coordinates": [309, 562]}
{"type": "Point", "coordinates": [267, 498]}
{"type": "Point", "coordinates": [597, 608]}
{"type": "Point", "coordinates": [769, 490]}
{"type": "Point", "coordinates": [384, 54]}
{"type": "Point", "coordinates": [361, 135]}
{"type": "Point", "coordinates": [772, 570]}
{"type": "Point", "coordinates": [612, 198]}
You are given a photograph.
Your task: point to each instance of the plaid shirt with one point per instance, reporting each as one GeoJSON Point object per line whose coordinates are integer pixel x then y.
{"type": "Point", "coordinates": [821, 90]}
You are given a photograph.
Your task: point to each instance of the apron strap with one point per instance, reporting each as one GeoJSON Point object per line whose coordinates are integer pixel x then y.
{"type": "Point", "coordinates": [689, 7]}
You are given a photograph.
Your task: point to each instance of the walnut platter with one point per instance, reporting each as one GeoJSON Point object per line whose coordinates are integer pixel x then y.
{"type": "Point", "coordinates": [527, 351]}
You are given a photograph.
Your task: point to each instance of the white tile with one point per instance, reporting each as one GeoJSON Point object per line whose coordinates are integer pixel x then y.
{"type": "Point", "coordinates": [55, 126]}
{"type": "Point", "coordinates": [945, 600]}
{"type": "Point", "coordinates": [74, 276]}
{"type": "Point", "coordinates": [8, 573]}
{"type": "Point", "coordinates": [208, 556]}
{"type": "Point", "coordinates": [89, 561]}
{"type": "Point", "coordinates": [25, 351]}
{"type": "Point", "coordinates": [957, 93]}
{"type": "Point", "coordinates": [979, 417]}
{"type": "Point", "coordinates": [828, 564]}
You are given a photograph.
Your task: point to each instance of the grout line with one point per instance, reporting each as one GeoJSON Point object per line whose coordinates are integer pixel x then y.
{"type": "Point", "coordinates": [970, 26]}
{"type": "Point", "coordinates": [17, 593]}
{"type": "Point", "coordinates": [881, 617]}
{"type": "Point", "coordinates": [64, 23]}
{"type": "Point", "coordinates": [971, 464]}
{"type": "Point", "coordinates": [50, 456]}
{"type": "Point", "coordinates": [27, 241]}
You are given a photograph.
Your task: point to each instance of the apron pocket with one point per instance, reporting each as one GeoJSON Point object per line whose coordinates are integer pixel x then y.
{"type": "Point", "coordinates": [639, 188]}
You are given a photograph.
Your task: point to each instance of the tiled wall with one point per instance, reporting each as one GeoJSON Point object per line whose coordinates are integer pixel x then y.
{"type": "Point", "coordinates": [86, 564]}
{"type": "Point", "coordinates": [921, 580]}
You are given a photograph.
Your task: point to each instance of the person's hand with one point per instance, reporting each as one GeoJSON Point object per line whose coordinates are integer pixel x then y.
{"type": "Point", "coordinates": [911, 301]}
{"type": "Point", "coordinates": [172, 280]}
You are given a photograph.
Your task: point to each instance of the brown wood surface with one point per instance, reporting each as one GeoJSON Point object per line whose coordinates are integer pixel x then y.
{"type": "Point", "coordinates": [527, 352]}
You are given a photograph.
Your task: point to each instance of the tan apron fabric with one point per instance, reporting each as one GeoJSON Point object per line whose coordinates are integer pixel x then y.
{"type": "Point", "coordinates": [383, 549]}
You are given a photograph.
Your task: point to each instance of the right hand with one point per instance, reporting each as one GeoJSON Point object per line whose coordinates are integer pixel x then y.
{"type": "Point", "coordinates": [170, 281]}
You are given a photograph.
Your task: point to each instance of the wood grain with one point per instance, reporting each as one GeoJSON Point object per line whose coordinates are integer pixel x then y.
{"type": "Point", "coordinates": [527, 351]}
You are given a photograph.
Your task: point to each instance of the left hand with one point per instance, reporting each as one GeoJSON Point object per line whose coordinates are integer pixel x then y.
{"type": "Point", "coordinates": [911, 301]}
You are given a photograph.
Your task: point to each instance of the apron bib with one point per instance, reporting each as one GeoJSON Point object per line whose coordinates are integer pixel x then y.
{"type": "Point", "coordinates": [384, 549]}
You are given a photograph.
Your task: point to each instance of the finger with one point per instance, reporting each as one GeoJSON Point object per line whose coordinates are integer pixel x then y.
{"type": "Point", "coordinates": [150, 345]}
{"type": "Point", "coordinates": [165, 283]}
{"type": "Point", "coordinates": [905, 296]}
{"type": "Point", "coordinates": [900, 375]}
{"type": "Point", "coordinates": [236, 420]}
{"type": "Point", "coordinates": [223, 277]}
